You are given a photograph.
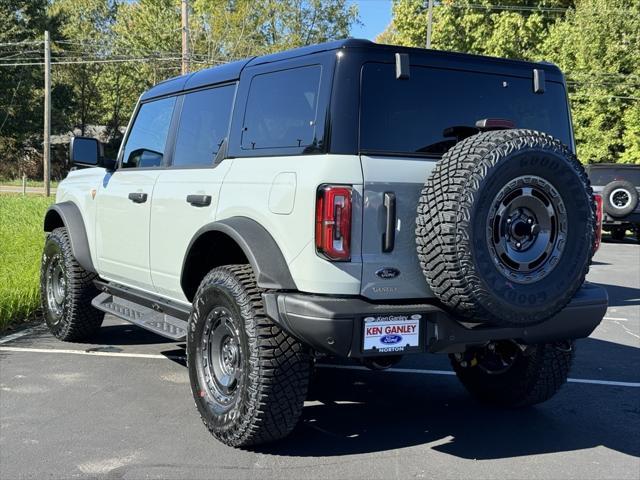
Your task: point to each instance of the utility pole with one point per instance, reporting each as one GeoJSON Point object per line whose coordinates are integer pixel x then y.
{"type": "Point", "coordinates": [47, 115]}
{"type": "Point", "coordinates": [429, 23]}
{"type": "Point", "coordinates": [185, 36]}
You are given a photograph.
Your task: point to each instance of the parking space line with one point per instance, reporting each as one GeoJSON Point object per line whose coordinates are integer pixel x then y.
{"type": "Point", "coordinates": [95, 353]}
{"type": "Point", "coordinates": [448, 372]}
{"type": "Point", "coordinates": [14, 336]}
{"type": "Point", "coordinates": [414, 371]}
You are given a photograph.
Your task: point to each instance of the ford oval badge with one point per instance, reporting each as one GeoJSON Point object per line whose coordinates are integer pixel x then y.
{"type": "Point", "coordinates": [388, 273]}
{"type": "Point", "coordinates": [390, 339]}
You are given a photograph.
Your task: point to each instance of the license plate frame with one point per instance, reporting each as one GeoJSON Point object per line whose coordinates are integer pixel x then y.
{"type": "Point", "coordinates": [410, 328]}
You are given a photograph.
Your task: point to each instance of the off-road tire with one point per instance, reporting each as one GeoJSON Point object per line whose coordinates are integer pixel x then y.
{"type": "Point", "coordinates": [275, 375]}
{"type": "Point", "coordinates": [451, 227]}
{"type": "Point", "coordinates": [624, 187]}
{"type": "Point", "coordinates": [78, 321]}
{"type": "Point", "coordinates": [535, 377]}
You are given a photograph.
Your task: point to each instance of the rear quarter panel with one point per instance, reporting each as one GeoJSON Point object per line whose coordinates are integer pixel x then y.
{"type": "Point", "coordinates": [280, 194]}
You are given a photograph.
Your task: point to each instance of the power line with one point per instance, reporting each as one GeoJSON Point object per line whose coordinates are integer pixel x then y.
{"type": "Point", "coordinates": [74, 62]}
{"type": "Point", "coordinates": [527, 8]}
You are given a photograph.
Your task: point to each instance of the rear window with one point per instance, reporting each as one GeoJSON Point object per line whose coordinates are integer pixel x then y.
{"type": "Point", "coordinates": [417, 115]}
{"type": "Point", "coordinates": [602, 176]}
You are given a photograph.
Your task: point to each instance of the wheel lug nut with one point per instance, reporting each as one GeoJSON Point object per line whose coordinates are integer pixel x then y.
{"type": "Point", "coordinates": [529, 220]}
{"type": "Point", "coordinates": [508, 220]}
{"type": "Point", "coordinates": [518, 245]}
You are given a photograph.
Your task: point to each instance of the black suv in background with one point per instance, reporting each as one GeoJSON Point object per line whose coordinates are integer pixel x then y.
{"type": "Point", "coordinates": [619, 186]}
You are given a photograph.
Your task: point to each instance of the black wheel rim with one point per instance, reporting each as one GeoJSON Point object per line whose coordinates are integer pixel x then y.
{"type": "Point", "coordinates": [56, 287]}
{"type": "Point", "coordinates": [526, 229]}
{"type": "Point", "coordinates": [620, 198]}
{"type": "Point", "coordinates": [220, 359]}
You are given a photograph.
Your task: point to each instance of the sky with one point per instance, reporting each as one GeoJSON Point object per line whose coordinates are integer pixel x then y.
{"type": "Point", "coordinates": [375, 15]}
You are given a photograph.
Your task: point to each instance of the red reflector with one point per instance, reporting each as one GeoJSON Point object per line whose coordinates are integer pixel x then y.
{"type": "Point", "coordinates": [598, 236]}
{"type": "Point", "coordinates": [333, 222]}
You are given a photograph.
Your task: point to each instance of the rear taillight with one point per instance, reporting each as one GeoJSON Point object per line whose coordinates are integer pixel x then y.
{"type": "Point", "coordinates": [333, 222]}
{"type": "Point", "coordinates": [598, 237]}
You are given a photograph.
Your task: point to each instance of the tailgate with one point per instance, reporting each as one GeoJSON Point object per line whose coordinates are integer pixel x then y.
{"type": "Point", "coordinates": [394, 273]}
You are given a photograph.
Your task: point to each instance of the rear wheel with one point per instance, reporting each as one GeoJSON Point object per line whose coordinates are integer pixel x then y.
{"type": "Point", "coordinates": [509, 375]}
{"type": "Point", "coordinates": [248, 377]}
{"type": "Point", "coordinates": [66, 291]}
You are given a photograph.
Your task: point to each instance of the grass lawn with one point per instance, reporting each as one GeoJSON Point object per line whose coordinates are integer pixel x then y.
{"type": "Point", "coordinates": [21, 241]}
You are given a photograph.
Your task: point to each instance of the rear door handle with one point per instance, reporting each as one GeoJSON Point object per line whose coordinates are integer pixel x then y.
{"type": "Point", "coordinates": [389, 235]}
{"type": "Point", "coordinates": [138, 197]}
{"type": "Point", "coordinates": [199, 200]}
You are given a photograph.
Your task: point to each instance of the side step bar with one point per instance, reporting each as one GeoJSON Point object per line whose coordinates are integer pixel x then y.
{"type": "Point", "coordinates": [148, 311]}
{"type": "Point", "coordinates": [157, 322]}
{"type": "Point", "coordinates": [145, 299]}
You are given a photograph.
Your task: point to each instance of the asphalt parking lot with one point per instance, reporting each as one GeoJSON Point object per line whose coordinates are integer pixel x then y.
{"type": "Point", "coordinates": [121, 409]}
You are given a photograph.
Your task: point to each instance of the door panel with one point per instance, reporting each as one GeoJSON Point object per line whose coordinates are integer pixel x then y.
{"type": "Point", "coordinates": [122, 227]}
{"type": "Point", "coordinates": [174, 221]}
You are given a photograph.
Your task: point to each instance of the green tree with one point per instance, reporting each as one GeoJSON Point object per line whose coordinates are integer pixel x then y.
{"type": "Point", "coordinates": [476, 26]}
{"type": "Point", "coordinates": [22, 23]}
{"type": "Point", "coordinates": [595, 42]}
{"type": "Point", "coordinates": [598, 46]}
{"type": "Point", "coordinates": [84, 36]}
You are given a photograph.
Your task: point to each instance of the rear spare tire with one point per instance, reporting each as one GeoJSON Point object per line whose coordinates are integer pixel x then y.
{"type": "Point", "coordinates": [619, 198]}
{"type": "Point", "coordinates": [505, 227]}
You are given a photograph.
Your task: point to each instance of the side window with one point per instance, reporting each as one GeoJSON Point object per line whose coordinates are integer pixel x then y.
{"type": "Point", "coordinates": [204, 123]}
{"type": "Point", "coordinates": [148, 137]}
{"type": "Point", "coordinates": [281, 109]}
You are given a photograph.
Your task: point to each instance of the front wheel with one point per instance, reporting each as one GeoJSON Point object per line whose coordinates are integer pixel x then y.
{"type": "Point", "coordinates": [66, 291]}
{"type": "Point", "coordinates": [510, 375]}
{"type": "Point", "coordinates": [249, 378]}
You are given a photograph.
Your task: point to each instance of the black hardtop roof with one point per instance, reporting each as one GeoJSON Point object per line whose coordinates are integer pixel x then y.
{"type": "Point", "coordinates": [231, 71]}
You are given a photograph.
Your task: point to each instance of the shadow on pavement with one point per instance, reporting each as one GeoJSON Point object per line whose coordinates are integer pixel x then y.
{"type": "Point", "coordinates": [355, 412]}
{"type": "Point", "coordinates": [626, 240]}
{"type": "Point", "coordinates": [621, 296]}
{"type": "Point", "coordinates": [126, 334]}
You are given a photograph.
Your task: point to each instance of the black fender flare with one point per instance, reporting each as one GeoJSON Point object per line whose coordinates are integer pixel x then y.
{"type": "Point", "coordinates": [262, 251]}
{"type": "Point", "coordinates": [71, 218]}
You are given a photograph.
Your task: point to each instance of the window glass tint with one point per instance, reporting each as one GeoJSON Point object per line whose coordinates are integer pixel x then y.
{"type": "Point", "coordinates": [148, 136]}
{"type": "Point", "coordinates": [204, 123]}
{"type": "Point", "coordinates": [601, 176]}
{"type": "Point", "coordinates": [281, 109]}
{"type": "Point", "coordinates": [418, 115]}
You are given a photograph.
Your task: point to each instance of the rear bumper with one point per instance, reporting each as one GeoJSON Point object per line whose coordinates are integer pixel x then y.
{"type": "Point", "coordinates": [334, 325]}
{"type": "Point", "coordinates": [632, 218]}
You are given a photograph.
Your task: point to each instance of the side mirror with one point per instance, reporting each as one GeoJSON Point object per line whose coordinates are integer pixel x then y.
{"type": "Point", "coordinates": [85, 152]}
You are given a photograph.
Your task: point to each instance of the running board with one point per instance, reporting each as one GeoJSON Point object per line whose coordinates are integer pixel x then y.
{"type": "Point", "coordinates": [145, 317]}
